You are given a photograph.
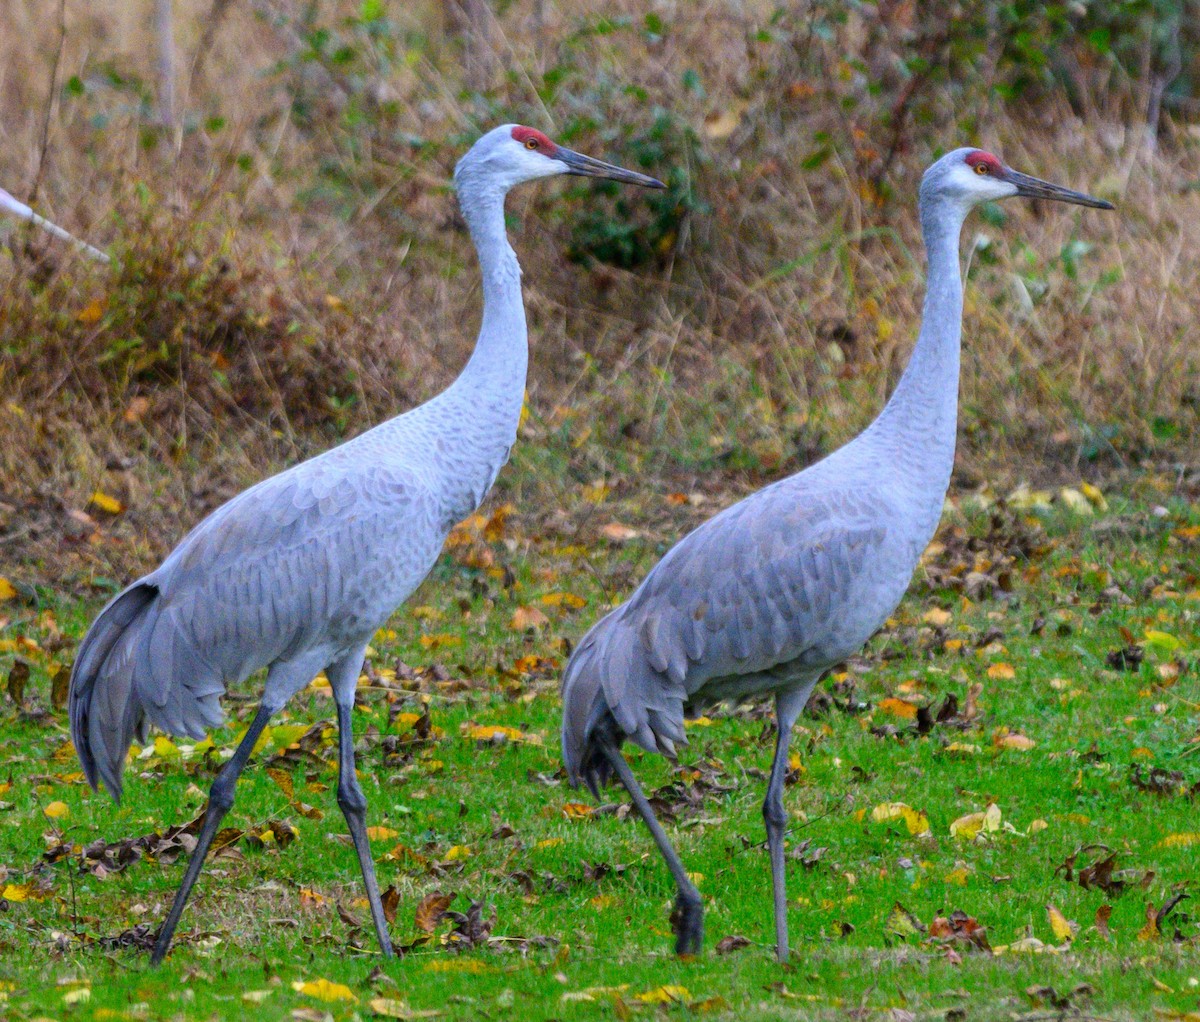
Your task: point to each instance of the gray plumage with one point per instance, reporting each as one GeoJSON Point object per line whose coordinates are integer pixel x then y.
{"type": "Point", "coordinates": [771, 593]}
{"type": "Point", "coordinates": [297, 573]}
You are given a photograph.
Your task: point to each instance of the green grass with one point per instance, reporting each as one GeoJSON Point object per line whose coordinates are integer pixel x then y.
{"type": "Point", "coordinates": [264, 919]}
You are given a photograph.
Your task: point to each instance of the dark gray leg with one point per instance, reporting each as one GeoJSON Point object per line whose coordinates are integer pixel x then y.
{"type": "Point", "coordinates": [220, 798]}
{"type": "Point", "coordinates": [688, 918]}
{"type": "Point", "coordinates": [787, 708]}
{"type": "Point", "coordinates": [343, 679]}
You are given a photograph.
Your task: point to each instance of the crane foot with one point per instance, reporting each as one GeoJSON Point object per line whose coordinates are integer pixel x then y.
{"type": "Point", "coordinates": [687, 922]}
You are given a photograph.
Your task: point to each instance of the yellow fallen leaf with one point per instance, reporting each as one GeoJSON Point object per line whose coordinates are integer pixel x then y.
{"type": "Point", "coordinates": [972, 825]}
{"type": "Point", "coordinates": [164, 748]}
{"type": "Point", "coordinates": [437, 641]}
{"type": "Point", "coordinates": [91, 313]}
{"type": "Point", "coordinates": [489, 733]}
{"type": "Point", "coordinates": [458, 852]}
{"type": "Point", "coordinates": [1037, 826]}
{"type": "Point", "coordinates": [898, 708]}
{"type": "Point", "coordinates": [381, 833]}
{"type": "Point", "coordinates": [958, 876]}
{"type": "Point", "coordinates": [256, 996]}
{"type": "Point", "coordinates": [1094, 495]}
{"type": "Point", "coordinates": [7, 592]}
{"type": "Point", "coordinates": [324, 990]}
{"type": "Point", "coordinates": [104, 502]}
{"type": "Point", "coordinates": [458, 965]}
{"type": "Point", "coordinates": [1059, 925]}
{"type": "Point", "coordinates": [916, 822]}
{"type": "Point", "coordinates": [664, 995]}
{"type": "Point", "coordinates": [1163, 642]}
{"type": "Point", "coordinates": [391, 1008]}
{"type": "Point", "coordinates": [57, 810]}
{"type": "Point", "coordinates": [80, 995]}
{"type": "Point", "coordinates": [15, 892]}
{"type": "Point", "coordinates": [962, 749]}
{"type": "Point", "coordinates": [577, 810]}
{"type": "Point", "coordinates": [1001, 672]}
{"type": "Point", "coordinates": [564, 600]}
{"type": "Point", "coordinates": [549, 842]}
{"type": "Point", "coordinates": [937, 617]}
{"type": "Point", "coordinates": [1012, 740]}
{"type": "Point", "coordinates": [1075, 501]}
{"type": "Point", "coordinates": [1179, 841]}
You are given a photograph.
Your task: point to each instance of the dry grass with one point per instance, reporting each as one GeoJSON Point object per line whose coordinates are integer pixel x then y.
{"type": "Point", "coordinates": [299, 271]}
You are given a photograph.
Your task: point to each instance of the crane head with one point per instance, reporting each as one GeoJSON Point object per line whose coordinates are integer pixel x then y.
{"type": "Point", "coordinates": [513, 153]}
{"type": "Point", "coordinates": [971, 176]}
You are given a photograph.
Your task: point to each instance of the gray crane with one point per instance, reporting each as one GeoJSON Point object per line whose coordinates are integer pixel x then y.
{"type": "Point", "coordinates": [299, 571]}
{"type": "Point", "coordinates": [771, 593]}
{"type": "Point", "coordinates": [10, 205]}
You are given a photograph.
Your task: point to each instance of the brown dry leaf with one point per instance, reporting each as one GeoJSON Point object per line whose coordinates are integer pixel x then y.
{"type": "Point", "coordinates": [734, 942]}
{"type": "Point", "coordinates": [431, 910]}
{"type": "Point", "coordinates": [528, 617]}
{"type": "Point", "coordinates": [391, 901]}
{"type": "Point", "coordinates": [18, 677]}
{"type": "Point", "coordinates": [60, 686]}
{"type": "Point", "coordinates": [1103, 914]}
{"type": "Point", "coordinates": [136, 408]}
{"type": "Point", "coordinates": [1150, 930]}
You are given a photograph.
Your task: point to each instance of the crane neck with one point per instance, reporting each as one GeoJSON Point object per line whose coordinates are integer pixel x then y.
{"type": "Point", "coordinates": [918, 425]}
{"type": "Point", "coordinates": [501, 356]}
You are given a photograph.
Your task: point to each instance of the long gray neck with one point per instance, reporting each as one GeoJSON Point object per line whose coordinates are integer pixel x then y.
{"type": "Point", "coordinates": [497, 368]}
{"type": "Point", "coordinates": [917, 428]}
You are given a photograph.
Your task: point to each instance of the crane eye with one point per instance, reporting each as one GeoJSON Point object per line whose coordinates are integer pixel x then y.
{"type": "Point", "coordinates": [531, 143]}
{"type": "Point", "coordinates": [982, 168]}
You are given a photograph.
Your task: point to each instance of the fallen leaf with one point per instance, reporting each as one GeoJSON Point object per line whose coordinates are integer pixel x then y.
{"type": "Point", "coordinates": [391, 1008]}
{"type": "Point", "coordinates": [734, 942]}
{"type": "Point", "coordinates": [7, 590]}
{"type": "Point", "coordinates": [577, 810]}
{"type": "Point", "coordinates": [972, 825]}
{"type": "Point", "coordinates": [1001, 672]}
{"type": "Point", "coordinates": [324, 990]}
{"type": "Point", "coordinates": [1059, 924]}
{"type": "Point", "coordinates": [1005, 739]}
{"type": "Point", "coordinates": [381, 833]}
{"type": "Point", "coordinates": [525, 618]}
{"type": "Point", "coordinates": [107, 504]}
{"type": "Point", "coordinates": [898, 707]}
{"type": "Point", "coordinates": [902, 924]}
{"type": "Point", "coordinates": [431, 909]}
{"type": "Point", "coordinates": [664, 995]}
{"type": "Point", "coordinates": [57, 810]}
{"type": "Point", "coordinates": [916, 822]}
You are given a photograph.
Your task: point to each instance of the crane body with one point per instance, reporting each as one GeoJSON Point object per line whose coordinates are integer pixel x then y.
{"type": "Point", "coordinates": [298, 572]}
{"type": "Point", "coordinates": [767, 596]}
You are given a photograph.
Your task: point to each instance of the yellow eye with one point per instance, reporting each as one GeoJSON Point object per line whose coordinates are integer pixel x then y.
{"type": "Point", "coordinates": [531, 143]}
{"type": "Point", "coordinates": [982, 168]}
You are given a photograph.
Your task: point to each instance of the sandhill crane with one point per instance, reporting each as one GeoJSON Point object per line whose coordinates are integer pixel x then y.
{"type": "Point", "coordinates": [18, 209]}
{"type": "Point", "coordinates": [298, 572]}
{"type": "Point", "coordinates": [768, 595]}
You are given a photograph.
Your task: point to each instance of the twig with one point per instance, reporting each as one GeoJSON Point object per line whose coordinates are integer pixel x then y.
{"type": "Point", "coordinates": [45, 140]}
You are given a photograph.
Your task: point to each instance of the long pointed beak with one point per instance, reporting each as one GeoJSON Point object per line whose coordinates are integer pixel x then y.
{"type": "Point", "coordinates": [1036, 188]}
{"type": "Point", "coordinates": [585, 166]}
{"type": "Point", "coordinates": [10, 205]}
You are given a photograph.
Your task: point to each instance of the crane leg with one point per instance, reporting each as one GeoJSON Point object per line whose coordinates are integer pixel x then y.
{"type": "Point", "coordinates": [787, 708]}
{"type": "Point", "coordinates": [688, 918]}
{"type": "Point", "coordinates": [220, 798]}
{"type": "Point", "coordinates": [343, 679]}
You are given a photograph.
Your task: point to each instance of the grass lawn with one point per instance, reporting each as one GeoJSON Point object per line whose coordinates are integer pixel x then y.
{"type": "Point", "coordinates": [1049, 815]}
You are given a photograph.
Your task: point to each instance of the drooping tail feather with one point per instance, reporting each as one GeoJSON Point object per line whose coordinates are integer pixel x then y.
{"type": "Point", "coordinates": [610, 688]}
{"type": "Point", "coordinates": [104, 707]}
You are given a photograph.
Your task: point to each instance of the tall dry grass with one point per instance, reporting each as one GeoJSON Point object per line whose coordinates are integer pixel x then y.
{"type": "Point", "coordinates": [292, 267]}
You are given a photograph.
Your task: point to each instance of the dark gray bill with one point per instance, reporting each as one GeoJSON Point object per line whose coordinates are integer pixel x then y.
{"type": "Point", "coordinates": [585, 166]}
{"type": "Point", "coordinates": [1035, 188]}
